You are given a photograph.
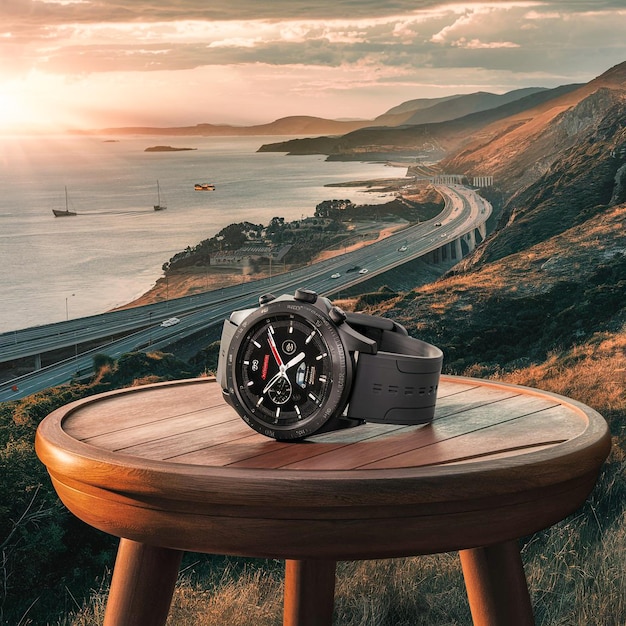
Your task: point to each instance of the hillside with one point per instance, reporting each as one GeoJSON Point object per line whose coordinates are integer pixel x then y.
{"type": "Point", "coordinates": [519, 149]}
{"type": "Point", "coordinates": [420, 110]}
{"type": "Point", "coordinates": [436, 139]}
{"type": "Point", "coordinates": [552, 296]}
{"type": "Point", "coordinates": [569, 165]}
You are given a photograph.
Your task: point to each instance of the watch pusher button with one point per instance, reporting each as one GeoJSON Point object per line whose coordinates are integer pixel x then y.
{"type": "Point", "coordinates": [337, 315]}
{"type": "Point", "coordinates": [265, 298]}
{"type": "Point", "coordinates": [305, 295]}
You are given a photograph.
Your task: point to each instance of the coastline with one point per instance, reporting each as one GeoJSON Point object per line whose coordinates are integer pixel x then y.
{"type": "Point", "coordinates": [114, 251]}
{"type": "Point", "coordinates": [193, 280]}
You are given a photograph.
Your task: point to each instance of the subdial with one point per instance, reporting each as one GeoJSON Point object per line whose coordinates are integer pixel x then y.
{"type": "Point", "coordinates": [280, 392]}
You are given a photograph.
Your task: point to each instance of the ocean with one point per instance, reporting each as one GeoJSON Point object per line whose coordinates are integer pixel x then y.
{"type": "Point", "coordinates": [113, 250]}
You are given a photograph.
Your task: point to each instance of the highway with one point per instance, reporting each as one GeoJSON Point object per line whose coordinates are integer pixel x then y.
{"type": "Point", "coordinates": [463, 211]}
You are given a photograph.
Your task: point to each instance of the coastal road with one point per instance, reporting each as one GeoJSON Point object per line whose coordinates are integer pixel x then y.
{"type": "Point", "coordinates": [141, 328]}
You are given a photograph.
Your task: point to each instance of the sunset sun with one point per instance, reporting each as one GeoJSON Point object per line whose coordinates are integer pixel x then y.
{"type": "Point", "coordinates": [33, 106]}
{"type": "Point", "coordinates": [12, 113]}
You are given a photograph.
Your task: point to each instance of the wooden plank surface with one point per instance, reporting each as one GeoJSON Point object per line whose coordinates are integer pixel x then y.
{"type": "Point", "coordinates": [172, 465]}
{"type": "Point", "coordinates": [192, 424]}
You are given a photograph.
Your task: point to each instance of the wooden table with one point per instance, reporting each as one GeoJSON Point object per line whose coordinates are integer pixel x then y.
{"type": "Point", "coordinates": [171, 468]}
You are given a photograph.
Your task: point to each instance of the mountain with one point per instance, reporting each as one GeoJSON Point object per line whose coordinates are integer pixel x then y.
{"type": "Point", "coordinates": [293, 125]}
{"type": "Point", "coordinates": [433, 139]}
{"type": "Point", "coordinates": [557, 165]}
{"type": "Point", "coordinates": [445, 109]}
{"type": "Point", "coordinates": [411, 112]}
{"type": "Point", "coordinates": [547, 285]}
{"type": "Point", "coordinates": [476, 140]}
{"type": "Point", "coordinates": [539, 133]}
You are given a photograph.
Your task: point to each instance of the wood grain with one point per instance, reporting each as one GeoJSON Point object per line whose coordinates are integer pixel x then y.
{"type": "Point", "coordinates": [174, 463]}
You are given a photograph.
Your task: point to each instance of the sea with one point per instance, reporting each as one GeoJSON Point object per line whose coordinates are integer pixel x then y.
{"type": "Point", "coordinates": [113, 250]}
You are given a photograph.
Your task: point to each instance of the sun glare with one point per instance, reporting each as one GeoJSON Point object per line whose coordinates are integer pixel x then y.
{"type": "Point", "coordinates": [29, 106]}
{"type": "Point", "coordinates": [16, 115]}
{"type": "Point", "coordinates": [10, 113]}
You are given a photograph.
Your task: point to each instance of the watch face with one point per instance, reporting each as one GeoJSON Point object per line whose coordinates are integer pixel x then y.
{"type": "Point", "coordinates": [288, 372]}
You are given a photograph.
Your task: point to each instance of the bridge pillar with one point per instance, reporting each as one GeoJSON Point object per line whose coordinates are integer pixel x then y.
{"type": "Point", "coordinates": [458, 250]}
{"type": "Point", "coordinates": [471, 240]}
{"type": "Point", "coordinates": [38, 361]}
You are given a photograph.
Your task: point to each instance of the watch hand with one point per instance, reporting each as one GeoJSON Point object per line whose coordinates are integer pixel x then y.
{"type": "Point", "coordinates": [281, 372]}
{"type": "Point", "coordinates": [296, 359]}
{"type": "Point", "coordinates": [274, 349]}
{"type": "Point", "coordinates": [273, 380]}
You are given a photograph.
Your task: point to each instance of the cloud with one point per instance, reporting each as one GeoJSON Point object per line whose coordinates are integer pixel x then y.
{"type": "Point", "coordinates": [321, 48]}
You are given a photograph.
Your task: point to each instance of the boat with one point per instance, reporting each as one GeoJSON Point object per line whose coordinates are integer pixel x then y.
{"type": "Point", "coordinates": [67, 212]}
{"type": "Point", "coordinates": [204, 187]}
{"type": "Point", "coordinates": [158, 206]}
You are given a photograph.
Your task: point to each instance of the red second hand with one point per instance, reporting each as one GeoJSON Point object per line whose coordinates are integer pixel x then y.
{"type": "Point", "coordinates": [274, 349]}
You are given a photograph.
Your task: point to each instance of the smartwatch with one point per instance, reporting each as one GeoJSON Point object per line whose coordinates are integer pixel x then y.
{"type": "Point", "coordinates": [298, 365]}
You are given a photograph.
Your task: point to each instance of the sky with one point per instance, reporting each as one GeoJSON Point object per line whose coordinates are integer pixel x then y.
{"type": "Point", "coordinates": [101, 63]}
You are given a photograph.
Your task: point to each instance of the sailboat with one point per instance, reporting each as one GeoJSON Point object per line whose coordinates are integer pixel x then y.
{"type": "Point", "coordinates": [158, 206]}
{"type": "Point", "coordinates": [67, 212]}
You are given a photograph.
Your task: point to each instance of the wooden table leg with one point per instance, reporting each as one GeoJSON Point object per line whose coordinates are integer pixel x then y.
{"type": "Point", "coordinates": [309, 593]}
{"type": "Point", "coordinates": [142, 585]}
{"type": "Point", "coordinates": [496, 586]}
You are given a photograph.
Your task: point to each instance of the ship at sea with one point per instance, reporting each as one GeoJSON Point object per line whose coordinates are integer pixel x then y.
{"type": "Point", "coordinates": [204, 187]}
{"type": "Point", "coordinates": [158, 206]}
{"type": "Point", "coordinates": [67, 212]}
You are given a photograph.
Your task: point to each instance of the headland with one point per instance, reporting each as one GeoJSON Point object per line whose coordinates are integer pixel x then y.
{"type": "Point", "coordinates": [337, 226]}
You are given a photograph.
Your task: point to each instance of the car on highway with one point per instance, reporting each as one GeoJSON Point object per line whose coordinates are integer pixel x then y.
{"type": "Point", "coordinates": [335, 275]}
{"type": "Point", "coordinates": [437, 224]}
{"type": "Point", "coordinates": [354, 268]}
{"type": "Point", "coordinates": [172, 321]}
{"type": "Point", "coordinates": [363, 270]}
{"type": "Point", "coordinates": [402, 249]}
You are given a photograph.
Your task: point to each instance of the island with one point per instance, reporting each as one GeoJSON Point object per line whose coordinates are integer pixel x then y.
{"type": "Point", "coordinates": [166, 149]}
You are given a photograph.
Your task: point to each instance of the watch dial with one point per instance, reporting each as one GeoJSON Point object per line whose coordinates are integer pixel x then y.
{"type": "Point", "coordinates": [285, 370]}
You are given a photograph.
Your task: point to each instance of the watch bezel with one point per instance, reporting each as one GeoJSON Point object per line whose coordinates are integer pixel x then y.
{"type": "Point", "coordinates": [342, 368]}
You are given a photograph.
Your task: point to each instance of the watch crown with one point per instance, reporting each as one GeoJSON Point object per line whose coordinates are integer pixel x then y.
{"type": "Point", "coordinates": [337, 315]}
{"type": "Point", "coordinates": [305, 295]}
{"type": "Point", "coordinates": [265, 298]}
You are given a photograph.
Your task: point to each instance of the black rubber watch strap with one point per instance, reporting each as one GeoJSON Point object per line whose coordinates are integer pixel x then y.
{"type": "Point", "coordinates": [398, 384]}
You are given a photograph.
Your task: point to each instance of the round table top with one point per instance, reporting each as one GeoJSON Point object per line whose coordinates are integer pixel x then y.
{"type": "Point", "coordinates": [171, 464]}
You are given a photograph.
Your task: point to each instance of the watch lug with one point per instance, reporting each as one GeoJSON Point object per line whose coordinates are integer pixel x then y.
{"type": "Point", "coordinates": [228, 330]}
{"type": "Point", "coordinates": [227, 397]}
{"type": "Point", "coordinates": [338, 423]}
{"type": "Point", "coordinates": [236, 317]}
{"type": "Point", "coordinates": [354, 341]}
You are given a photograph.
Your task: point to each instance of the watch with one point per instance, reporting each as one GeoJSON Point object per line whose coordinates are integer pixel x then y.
{"type": "Point", "coordinates": [298, 366]}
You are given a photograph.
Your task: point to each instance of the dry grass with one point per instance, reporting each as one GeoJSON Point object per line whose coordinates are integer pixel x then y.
{"type": "Point", "coordinates": [593, 373]}
{"type": "Point", "coordinates": [576, 570]}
